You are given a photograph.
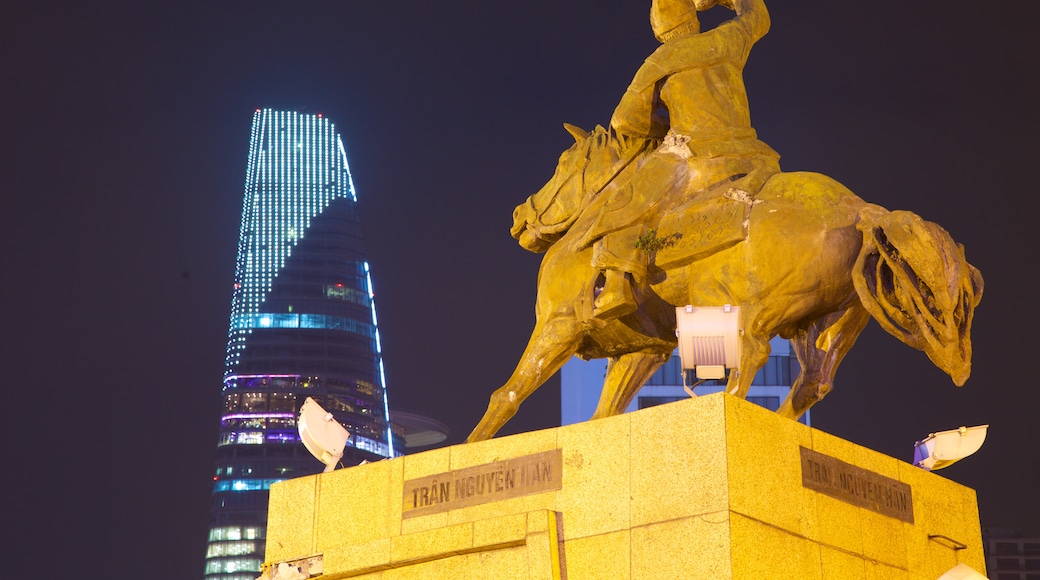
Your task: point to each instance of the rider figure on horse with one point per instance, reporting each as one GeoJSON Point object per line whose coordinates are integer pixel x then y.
{"type": "Point", "coordinates": [690, 95]}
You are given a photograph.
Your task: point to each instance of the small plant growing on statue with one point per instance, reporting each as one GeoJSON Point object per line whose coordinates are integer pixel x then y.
{"type": "Point", "coordinates": [650, 243]}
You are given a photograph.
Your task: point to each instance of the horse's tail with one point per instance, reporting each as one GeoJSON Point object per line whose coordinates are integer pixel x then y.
{"type": "Point", "coordinates": [915, 281]}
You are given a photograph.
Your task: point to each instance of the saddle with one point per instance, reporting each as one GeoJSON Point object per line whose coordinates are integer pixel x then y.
{"type": "Point", "coordinates": [709, 223]}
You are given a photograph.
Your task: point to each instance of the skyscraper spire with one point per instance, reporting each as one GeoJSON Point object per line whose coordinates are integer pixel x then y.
{"type": "Point", "coordinates": [303, 324]}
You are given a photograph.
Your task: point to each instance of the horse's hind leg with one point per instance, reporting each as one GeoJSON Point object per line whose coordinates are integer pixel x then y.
{"type": "Point", "coordinates": [626, 374]}
{"type": "Point", "coordinates": [550, 346]}
{"type": "Point", "coordinates": [820, 350]}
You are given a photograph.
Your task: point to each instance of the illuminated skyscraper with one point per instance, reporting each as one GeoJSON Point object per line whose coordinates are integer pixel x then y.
{"type": "Point", "coordinates": [303, 324]}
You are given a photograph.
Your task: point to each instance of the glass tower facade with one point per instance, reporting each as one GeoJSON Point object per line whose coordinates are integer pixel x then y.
{"type": "Point", "coordinates": [303, 324]}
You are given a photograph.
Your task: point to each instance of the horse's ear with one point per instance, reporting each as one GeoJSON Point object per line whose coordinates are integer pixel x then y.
{"type": "Point", "coordinates": [578, 133]}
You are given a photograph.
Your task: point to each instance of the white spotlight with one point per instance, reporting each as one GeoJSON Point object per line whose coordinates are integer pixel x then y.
{"type": "Point", "coordinates": [322, 434]}
{"type": "Point", "coordinates": [709, 339]}
{"type": "Point", "coordinates": [945, 448]}
{"type": "Point", "coordinates": [962, 572]}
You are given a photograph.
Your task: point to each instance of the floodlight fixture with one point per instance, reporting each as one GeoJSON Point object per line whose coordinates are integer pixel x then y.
{"type": "Point", "coordinates": [962, 572]}
{"type": "Point", "coordinates": [945, 448]}
{"type": "Point", "coordinates": [322, 434]}
{"type": "Point", "coordinates": [709, 339]}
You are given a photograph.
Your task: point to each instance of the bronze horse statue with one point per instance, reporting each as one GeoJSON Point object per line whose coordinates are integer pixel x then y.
{"type": "Point", "coordinates": [812, 263]}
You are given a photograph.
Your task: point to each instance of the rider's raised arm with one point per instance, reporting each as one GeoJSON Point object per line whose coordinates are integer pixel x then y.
{"type": "Point", "coordinates": [639, 113]}
{"type": "Point", "coordinates": [754, 15]}
{"type": "Point", "coordinates": [730, 41]}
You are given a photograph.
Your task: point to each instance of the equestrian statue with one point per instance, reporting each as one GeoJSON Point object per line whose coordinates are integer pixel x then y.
{"type": "Point", "coordinates": [679, 203]}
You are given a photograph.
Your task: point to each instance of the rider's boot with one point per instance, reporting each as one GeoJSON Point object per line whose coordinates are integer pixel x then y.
{"type": "Point", "coordinates": [616, 299]}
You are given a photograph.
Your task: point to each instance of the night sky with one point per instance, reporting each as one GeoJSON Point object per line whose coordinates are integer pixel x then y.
{"type": "Point", "coordinates": [124, 132]}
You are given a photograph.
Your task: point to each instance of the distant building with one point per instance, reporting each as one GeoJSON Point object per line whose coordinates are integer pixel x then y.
{"type": "Point", "coordinates": [1010, 556]}
{"type": "Point", "coordinates": [303, 324]}
{"type": "Point", "coordinates": [582, 381]}
{"type": "Point", "coordinates": [418, 431]}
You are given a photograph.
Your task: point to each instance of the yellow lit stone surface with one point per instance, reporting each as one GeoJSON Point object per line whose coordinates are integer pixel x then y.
{"type": "Point", "coordinates": [345, 499]}
{"type": "Point", "coordinates": [879, 571]}
{"type": "Point", "coordinates": [290, 519]}
{"type": "Point", "coordinates": [591, 461]}
{"type": "Point", "coordinates": [763, 461]}
{"type": "Point", "coordinates": [432, 542]}
{"type": "Point", "coordinates": [950, 510]}
{"type": "Point", "coordinates": [840, 523]}
{"type": "Point", "coordinates": [365, 556]}
{"type": "Point", "coordinates": [840, 564]}
{"type": "Point", "coordinates": [428, 463]}
{"type": "Point", "coordinates": [884, 539]}
{"type": "Point", "coordinates": [705, 488]}
{"type": "Point", "coordinates": [544, 552]}
{"type": "Point", "coordinates": [693, 545]}
{"type": "Point", "coordinates": [499, 530]}
{"type": "Point", "coordinates": [423, 523]}
{"type": "Point", "coordinates": [417, 466]}
{"type": "Point", "coordinates": [537, 522]}
{"type": "Point", "coordinates": [678, 456]}
{"type": "Point", "coordinates": [464, 566]}
{"type": "Point", "coordinates": [603, 557]}
{"type": "Point", "coordinates": [504, 448]}
{"type": "Point", "coordinates": [760, 550]}
{"type": "Point", "coordinates": [507, 563]}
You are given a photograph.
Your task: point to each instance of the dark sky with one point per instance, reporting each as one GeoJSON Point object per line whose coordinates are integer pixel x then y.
{"type": "Point", "coordinates": [124, 132]}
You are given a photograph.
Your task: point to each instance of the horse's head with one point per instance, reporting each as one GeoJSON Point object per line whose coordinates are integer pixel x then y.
{"type": "Point", "coordinates": [915, 281]}
{"type": "Point", "coordinates": [583, 170]}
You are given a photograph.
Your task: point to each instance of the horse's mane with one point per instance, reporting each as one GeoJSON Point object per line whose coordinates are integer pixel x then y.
{"type": "Point", "coordinates": [621, 143]}
{"type": "Point", "coordinates": [602, 147]}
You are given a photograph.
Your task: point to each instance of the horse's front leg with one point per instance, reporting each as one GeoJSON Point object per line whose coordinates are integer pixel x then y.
{"type": "Point", "coordinates": [551, 344]}
{"type": "Point", "coordinates": [625, 376]}
{"type": "Point", "coordinates": [820, 350]}
{"type": "Point", "coordinates": [754, 356]}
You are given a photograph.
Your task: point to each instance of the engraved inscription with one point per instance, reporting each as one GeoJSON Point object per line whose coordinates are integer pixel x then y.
{"type": "Point", "coordinates": [483, 483]}
{"type": "Point", "coordinates": [857, 486]}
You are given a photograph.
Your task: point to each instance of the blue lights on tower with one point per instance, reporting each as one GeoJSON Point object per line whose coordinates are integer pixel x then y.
{"type": "Point", "coordinates": [303, 324]}
{"type": "Point", "coordinates": [297, 166]}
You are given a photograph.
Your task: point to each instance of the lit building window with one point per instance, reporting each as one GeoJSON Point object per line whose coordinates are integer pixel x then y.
{"type": "Point", "coordinates": [229, 565]}
{"type": "Point", "coordinates": [218, 549]}
{"type": "Point", "coordinates": [234, 533]}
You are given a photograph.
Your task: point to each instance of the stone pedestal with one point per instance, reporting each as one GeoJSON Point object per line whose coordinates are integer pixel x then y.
{"type": "Point", "coordinates": [711, 488]}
